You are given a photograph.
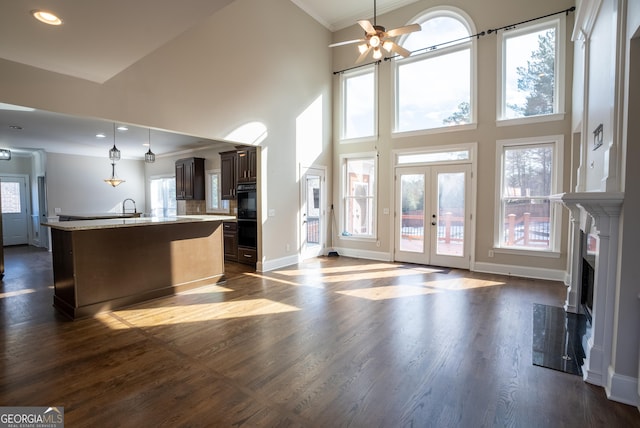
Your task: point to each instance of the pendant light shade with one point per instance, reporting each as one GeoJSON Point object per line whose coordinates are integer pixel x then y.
{"type": "Point", "coordinates": [113, 180]}
{"type": "Point", "coordinates": [114, 156]}
{"type": "Point", "coordinates": [114, 153]}
{"type": "Point", "coordinates": [149, 157]}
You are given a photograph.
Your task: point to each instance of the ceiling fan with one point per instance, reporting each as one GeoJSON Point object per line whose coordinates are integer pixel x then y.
{"type": "Point", "coordinates": [376, 37]}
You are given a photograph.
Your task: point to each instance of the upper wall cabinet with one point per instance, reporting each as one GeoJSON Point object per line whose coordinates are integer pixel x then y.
{"type": "Point", "coordinates": [247, 165]}
{"type": "Point", "coordinates": [228, 168]}
{"type": "Point", "coordinates": [190, 179]}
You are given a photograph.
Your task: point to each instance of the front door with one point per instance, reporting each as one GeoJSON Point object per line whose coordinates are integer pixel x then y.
{"type": "Point", "coordinates": [432, 215]}
{"type": "Point", "coordinates": [14, 210]}
{"type": "Point", "coordinates": [313, 213]}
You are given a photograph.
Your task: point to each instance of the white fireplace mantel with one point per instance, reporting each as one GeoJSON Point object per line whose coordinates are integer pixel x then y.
{"type": "Point", "coordinates": [604, 208]}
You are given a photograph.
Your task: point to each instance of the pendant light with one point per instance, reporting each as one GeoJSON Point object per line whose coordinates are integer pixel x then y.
{"type": "Point", "coordinates": [114, 153]}
{"type": "Point", "coordinates": [149, 157]}
{"type": "Point", "coordinates": [114, 156]}
{"type": "Point", "coordinates": [113, 180]}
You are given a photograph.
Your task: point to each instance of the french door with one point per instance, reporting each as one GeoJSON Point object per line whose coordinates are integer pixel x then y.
{"type": "Point", "coordinates": [313, 213]}
{"type": "Point", "coordinates": [432, 220]}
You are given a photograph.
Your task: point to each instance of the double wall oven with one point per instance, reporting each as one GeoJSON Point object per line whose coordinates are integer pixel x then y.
{"type": "Point", "coordinates": [247, 215]}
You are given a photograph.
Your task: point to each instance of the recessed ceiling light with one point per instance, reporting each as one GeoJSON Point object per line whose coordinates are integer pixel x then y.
{"type": "Point", "coordinates": [47, 17]}
{"type": "Point", "coordinates": [101, 135]}
{"type": "Point", "coordinates": [122, 128]}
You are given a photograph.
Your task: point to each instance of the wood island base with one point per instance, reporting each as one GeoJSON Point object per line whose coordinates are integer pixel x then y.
{"type": "Point", "coordinates": [101, 269]}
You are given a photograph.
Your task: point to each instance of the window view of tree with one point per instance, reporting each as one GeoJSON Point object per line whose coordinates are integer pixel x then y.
{"type": "Point", "coordinates": [461, 116]}
{"type": "Point", "coordinates": [527, 184]}
{"type": "Point", "coordinates": [530, 74]}
{"type": "Point", "coordinates": [431, 86]}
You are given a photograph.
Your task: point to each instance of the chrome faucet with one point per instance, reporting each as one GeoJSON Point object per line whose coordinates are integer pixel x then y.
{"type": "Point", "coordinates": [134, 205]}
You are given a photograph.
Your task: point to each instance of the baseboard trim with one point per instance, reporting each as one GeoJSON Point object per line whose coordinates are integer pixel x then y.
{"type": "Point", "coordinates": [521, 271]}
{"type": "Point", "coordinates": [621, 388]}
{"type": "Point", "coordinates": [364, 254]}
{"type": "Point", "coordinates": [270, 265]}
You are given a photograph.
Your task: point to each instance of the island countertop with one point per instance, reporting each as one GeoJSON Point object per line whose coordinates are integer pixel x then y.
{"type": "Point", "coordinates": [132, 222]}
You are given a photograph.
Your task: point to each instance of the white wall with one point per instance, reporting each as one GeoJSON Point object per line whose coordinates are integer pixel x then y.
{"type": "Point", "coordinates": [75, 184]}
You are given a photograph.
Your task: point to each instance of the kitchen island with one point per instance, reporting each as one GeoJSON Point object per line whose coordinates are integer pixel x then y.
{"type": "Point", "coordinates": [100, 265]}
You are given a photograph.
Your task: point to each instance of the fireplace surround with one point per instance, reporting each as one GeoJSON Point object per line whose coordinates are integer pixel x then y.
{"type": "Point", "coordinates": [595, 214]}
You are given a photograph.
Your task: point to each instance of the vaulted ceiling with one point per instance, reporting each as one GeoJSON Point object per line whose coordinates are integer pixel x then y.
{"type": "Point", "coordinates": [99, 39]}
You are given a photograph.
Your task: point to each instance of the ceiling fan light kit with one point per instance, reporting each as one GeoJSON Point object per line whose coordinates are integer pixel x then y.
{"type": "Point", "coordinates": [376, 36]}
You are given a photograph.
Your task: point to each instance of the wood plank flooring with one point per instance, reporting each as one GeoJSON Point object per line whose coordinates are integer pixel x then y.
{"type": "Point", "coordinates": [330, 342]}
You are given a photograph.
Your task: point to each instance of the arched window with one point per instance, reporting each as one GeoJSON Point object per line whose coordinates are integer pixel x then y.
{"type": "Point", "coordinates": [435, 86]}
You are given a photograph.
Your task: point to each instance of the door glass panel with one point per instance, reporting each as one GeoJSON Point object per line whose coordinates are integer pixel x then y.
{"type": "Point", "coordinates": [451, 216]}
{"type": "Point", "coordinates": [313, 210]}
{"type": "Point", "coordinates": [412, 227]}
{"type": "Point", "coordinates": [11, 198]}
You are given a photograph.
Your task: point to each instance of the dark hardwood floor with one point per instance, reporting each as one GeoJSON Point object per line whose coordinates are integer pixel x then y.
{"type": "Point", "coordinates": [331, 342]}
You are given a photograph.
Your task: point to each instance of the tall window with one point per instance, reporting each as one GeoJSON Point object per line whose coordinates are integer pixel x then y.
{"type": "Point", "coordinates": [434, 86]}
{"type": "Point", "coordinates": [530, 171]}
{"type": "Point", "coordinates": [532, 70]}
{"type": "Point", "coordinates": [163, 197]}
{"type": "Point", "coordinates": [214, 196]}
{"type": "Point", "coordinates": [359, 103]}
{"type": "Point", "coordinates": [359, 196]}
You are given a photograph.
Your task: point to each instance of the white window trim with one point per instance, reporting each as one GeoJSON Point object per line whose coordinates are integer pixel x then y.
{"type": "Point", "coordinates": [343, 188]}
{"type": "Point", "coordinates": [556, 186]}
{"type": "Point", "coordinates": [559, 91]}
{"type": "Point", "coordinates": [472, 44]}
{"type": "Point", "coordinates": [343, 102]}
{"type": "Point", "coordinates": [207, 187]}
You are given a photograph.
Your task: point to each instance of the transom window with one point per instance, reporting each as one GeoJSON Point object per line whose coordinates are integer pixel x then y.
{"type": "Point", "coordinates": [433, 87]}
{"type": "Point", "coordinates": [532, 64]}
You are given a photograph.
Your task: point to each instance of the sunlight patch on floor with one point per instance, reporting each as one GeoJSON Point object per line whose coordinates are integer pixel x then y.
{"type": "Point", "coordinates": [17, 293]}
{"type": "Point", "coordinates": [159, 316]}
{"type": "Point", "coordinates": [388, 292]}
{"type": "Point", "coordinates": [208, 289]}
{"type": "Point", "coordinates": [439, 286]}
{"type": "Point", "coordinates": [316, 269]}
{"type": "Point", "coordinates": [283, 281]}
{"type": "Point", "coordinates": [461, 284]}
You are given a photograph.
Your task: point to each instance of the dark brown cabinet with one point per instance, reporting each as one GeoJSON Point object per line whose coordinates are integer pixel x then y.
{"type": "Point", "coordinates": [228, 180]}
{"type": "Point", "coordinates": [190, 179]}
{"type": "Point", "coordinates": [247, 165]}
{"type": "Point", "coordinates": [230, 238]}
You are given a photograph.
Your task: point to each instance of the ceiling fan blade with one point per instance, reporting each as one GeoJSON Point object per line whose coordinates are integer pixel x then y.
{"type": "Point", "coordinates": [404, 30]}
{"type": "Point", "coordinates": [399, 50]}
{"type": "Point", "coordinates": [367, 26]}
{"type": "Point", "coordinates": [347, 42]}
{"type": "Point", "coordinates": [363, 55]}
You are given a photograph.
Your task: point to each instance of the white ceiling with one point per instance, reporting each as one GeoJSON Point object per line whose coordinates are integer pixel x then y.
{"type": "Point", "coordinates": [101, 38]}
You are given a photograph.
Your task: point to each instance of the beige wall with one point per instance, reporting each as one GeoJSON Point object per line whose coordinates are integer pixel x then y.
{"type": "Point", "coordinates": [485, 15]}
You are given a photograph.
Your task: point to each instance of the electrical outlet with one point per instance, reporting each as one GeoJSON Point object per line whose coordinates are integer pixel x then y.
{"type": "Point", "coordinates": [288, 248]}
{"type": "Point", "coordinates": [57, 210]}
{"type": "Point", "coordinates": [377, 243]}
{"type": "Point", "coordinates": [490, 253]}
